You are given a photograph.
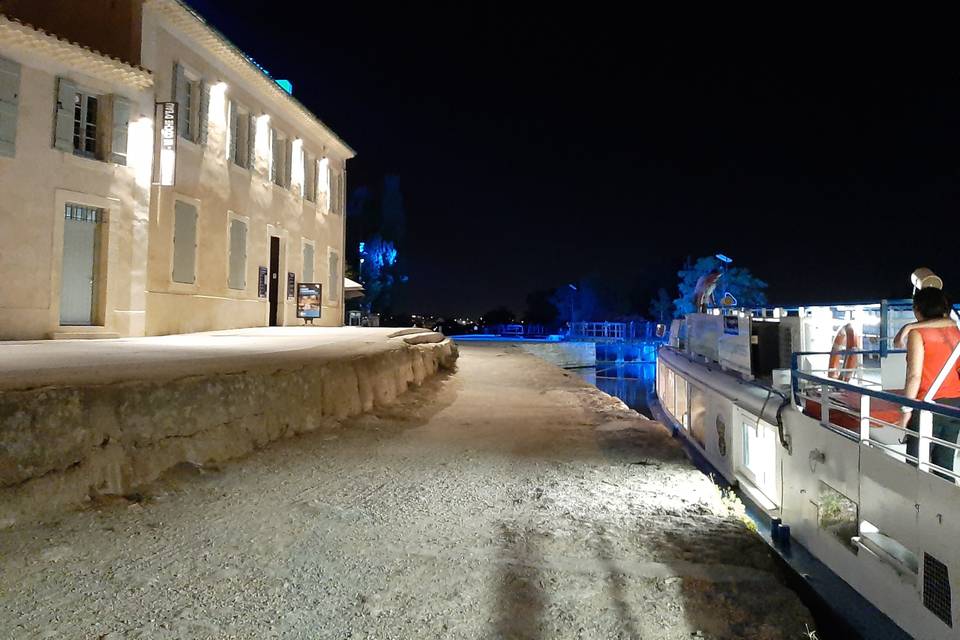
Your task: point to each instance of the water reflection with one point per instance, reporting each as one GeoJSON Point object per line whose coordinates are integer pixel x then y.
{"type": "Point", "coordinates": [628, 381]}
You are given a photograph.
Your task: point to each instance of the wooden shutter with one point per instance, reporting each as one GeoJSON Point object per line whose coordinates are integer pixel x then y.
{"type": "Point", "coordinates": [232, 132]}
{"type": "Point", "coordinates": [119, 125]}
{"type": "Point", "coordinates": [287, 163]}
{"type": "Point", "coordinates": [308, 263]}
{"type": "Point", "coordinates": [238, 255]}
{"type": "Point", "coordinates": [184, 243]}
{"type": "Point", "coordinates": [251, 141]}
{"type": "Point", "coordinates": [9, 99]}
{"type": "Point", "coordinates": [180, 89]}
{"type": "Point", "coordinates": [63, 129]}
{"type": "Point", "coordinates": [204, 115]}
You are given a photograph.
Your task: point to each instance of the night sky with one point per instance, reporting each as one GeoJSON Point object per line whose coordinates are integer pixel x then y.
{"type": "Point", "coordinates": [536, 148]}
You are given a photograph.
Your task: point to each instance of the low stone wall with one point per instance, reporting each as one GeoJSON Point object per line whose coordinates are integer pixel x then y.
{"type": "Point", "coordinates": [61, 445]}
{"type": "Point", "coordinates": [564, 354]}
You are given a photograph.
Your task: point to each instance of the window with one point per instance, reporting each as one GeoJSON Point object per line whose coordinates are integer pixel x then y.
{"type": "Point", "coordinates": [238, 255]}
{"type": "Point", "coordinates": [91, 125]}
{"type": "Point", "coordinates": [334, 277]}
{"type": "Point", "coordinates": [243, 131]}
{"type": "Point", "coordinates": [308, 259]}
{"type": "Point", "coordinates": [9, 98]}
{"type": "Point", "coordinates": [85, 124]}
{"type": "Point", "coordinates": [184, 242]}
{"type": "Point", "coordinates": [309, 177]}
{"type": "Point", "coordinates": [192, 95]}
{"type": "Point", "coordinates": [282, 148]}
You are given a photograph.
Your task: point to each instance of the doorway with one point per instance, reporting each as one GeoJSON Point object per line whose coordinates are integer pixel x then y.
{"type": "Point", "coordinates": [274, 280]}
{"type": "Point", "coordinates": [79, 277]}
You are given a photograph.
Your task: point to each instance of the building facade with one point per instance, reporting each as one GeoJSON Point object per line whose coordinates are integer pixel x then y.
{"type": "Point", "coordinates": [256, 203]}
{"type": "Point", "coordinates": [76, 144]}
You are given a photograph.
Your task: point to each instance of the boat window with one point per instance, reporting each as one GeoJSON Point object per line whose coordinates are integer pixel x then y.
{"type": "Point", "coordinates": [837, 514]}
{"type": "Point", "coordinates": [698, 414]}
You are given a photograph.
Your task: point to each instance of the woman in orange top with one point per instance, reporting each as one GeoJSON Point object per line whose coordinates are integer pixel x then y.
{"type": "Point", "coordinates": [929, 346]}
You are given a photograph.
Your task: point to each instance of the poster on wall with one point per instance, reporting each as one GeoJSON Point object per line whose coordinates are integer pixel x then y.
{"type": "Point", "coordinates": [291, 285]}
{"type": "Point", "coordinates": [308, 300]}
{"type": "Point", "coordinates": [262, 283]}
{"type": "Point", "coordinates": [166, 166]}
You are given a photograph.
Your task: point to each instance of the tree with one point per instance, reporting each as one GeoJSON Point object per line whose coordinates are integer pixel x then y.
{"type": "Point", "coordinates": [738, 281]}
{"type": "Point", "coordinates": [661, 307]}
{"type": "Point", "coordinates": [500, 315]}
{"type": "Point", "coordinates": [540, 308]}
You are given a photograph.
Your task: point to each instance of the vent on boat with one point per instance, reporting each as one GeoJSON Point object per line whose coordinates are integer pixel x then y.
{"type": "Point", "coordinates": [936, 588]}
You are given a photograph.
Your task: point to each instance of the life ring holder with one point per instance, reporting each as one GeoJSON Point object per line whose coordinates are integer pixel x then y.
{"type": "Point", "coordinates": [845, 340]}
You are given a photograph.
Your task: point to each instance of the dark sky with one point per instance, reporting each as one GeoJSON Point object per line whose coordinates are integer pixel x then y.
{"type": "Point", "coordinates": [538, 147]}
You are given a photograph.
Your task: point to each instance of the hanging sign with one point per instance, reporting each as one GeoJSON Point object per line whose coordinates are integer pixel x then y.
{"type": "Point", "coordinates": [308, 300]}
{"type": "Point", "coordinates": [262, 283]}
{"type": "Point", "coordinates": [291, 285]}
{"type": "Point", "coordinates": [166, 166]}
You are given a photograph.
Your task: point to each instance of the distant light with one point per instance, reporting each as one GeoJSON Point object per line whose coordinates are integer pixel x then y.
{"type": "Point", "coordinates": [723, 258]}
{"type": "Point", "coordinates": [286, 85]}
{"type": "Point", "coordinates": [572, 287]}
{"type": "Point", "coordinates": [363, 246]}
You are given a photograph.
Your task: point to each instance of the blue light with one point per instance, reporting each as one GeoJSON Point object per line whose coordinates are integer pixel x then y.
{"type": "Point", "coordinates": [723, 258]}
{"type": "Point", "coordinates": [363, 245]}
{"type": "Point", "coordinates": [286, 85]}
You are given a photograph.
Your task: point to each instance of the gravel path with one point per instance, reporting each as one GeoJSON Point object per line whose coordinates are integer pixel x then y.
{"type": "Point", "coordinates": [508, 500]}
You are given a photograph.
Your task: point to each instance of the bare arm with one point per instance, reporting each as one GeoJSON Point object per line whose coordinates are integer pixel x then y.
{"type": "Point", "coordinates": [900, 340]}
{"type": "Point", "coordinates": [914, 365]}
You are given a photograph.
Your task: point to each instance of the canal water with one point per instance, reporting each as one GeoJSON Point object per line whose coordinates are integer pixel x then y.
{"type": "Point", "coordinates": [629, 381]}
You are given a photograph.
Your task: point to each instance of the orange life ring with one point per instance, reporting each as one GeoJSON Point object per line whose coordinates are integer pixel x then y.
{"type": "Point", "coordinates": [845, 340]}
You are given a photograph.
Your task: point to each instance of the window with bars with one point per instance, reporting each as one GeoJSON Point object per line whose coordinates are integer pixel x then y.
{"type": "Point", "coordinates": [80, 213]}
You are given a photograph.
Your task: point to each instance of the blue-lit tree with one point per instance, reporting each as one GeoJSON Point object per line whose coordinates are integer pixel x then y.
{"type": "Point", "coordinates": [379, 272]}
{"type": "Point", "coordinates": [747, 289]}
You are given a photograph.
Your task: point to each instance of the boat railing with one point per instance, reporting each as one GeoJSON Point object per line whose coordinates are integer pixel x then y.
{"type": "Point", "coordinates": [858, 411]}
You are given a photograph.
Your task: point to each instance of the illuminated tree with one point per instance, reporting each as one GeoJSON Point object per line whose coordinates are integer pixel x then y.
{"type": "Point", "coordinates": [747, 289]}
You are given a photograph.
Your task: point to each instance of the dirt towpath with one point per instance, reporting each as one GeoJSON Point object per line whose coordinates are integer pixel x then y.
{"type": "Point", "coordinates": [506, 500]}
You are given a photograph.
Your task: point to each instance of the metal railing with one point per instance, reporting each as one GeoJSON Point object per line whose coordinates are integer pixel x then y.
{"type": "Point", "coordinates": [639, 330]}
{"type": "Point", "coordinates": [825, 392]}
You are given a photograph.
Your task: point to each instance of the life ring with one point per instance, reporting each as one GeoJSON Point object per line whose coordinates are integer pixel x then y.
{"type": "Point", "coordinates": [845, 340]}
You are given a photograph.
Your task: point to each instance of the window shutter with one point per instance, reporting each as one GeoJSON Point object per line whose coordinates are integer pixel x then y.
{"type": "Point", "coordinates": [274, 149]}
{"type": "Point", "coordinates": [251, 141]}
{"type": "Point", "coordinates": [238, 255]}
{"type": "Point", "coordinates": [288, 163]}
{"type": "Point", "coordinates": [9, 99]}
{"type": "Point", "coordinates": [119, 126]}
{"type": "Point", "coordinates": [232, 132]}
{"type": "Point", "coordinates": [204, 115]}
{"type": "Point", "coordinates": [63, 131]}
{"type": "Point", "coordinates": [180, 96]}
{"type": "Point", "coordinates": [334, 277]}
{"type": "Point", "coordinates": [308, 263]}
{"type": "Point", "coordinates": [184, 243]}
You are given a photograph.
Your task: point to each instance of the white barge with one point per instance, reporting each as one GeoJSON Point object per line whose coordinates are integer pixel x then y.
{"type": "Point", "coordinates": [797, 409]}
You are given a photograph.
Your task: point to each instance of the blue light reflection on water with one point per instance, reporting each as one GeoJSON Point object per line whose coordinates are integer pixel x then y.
{"type": "Point", "coordinates": [628, 381]}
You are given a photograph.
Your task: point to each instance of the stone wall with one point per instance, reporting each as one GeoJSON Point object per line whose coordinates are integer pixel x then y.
{"type": "Point", "coordinates": [564, 354]}
{"type": "Point", "coordinates": [61, 445]}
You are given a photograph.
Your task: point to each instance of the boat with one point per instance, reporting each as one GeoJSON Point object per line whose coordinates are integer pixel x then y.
{"type": "Point", "coordinates": [797, 409]}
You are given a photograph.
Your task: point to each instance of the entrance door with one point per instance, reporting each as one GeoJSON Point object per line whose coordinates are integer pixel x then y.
{"type": "Point", "coordinates": [274, 279]}
{"type": "Point", "coordinates": [78, 278]}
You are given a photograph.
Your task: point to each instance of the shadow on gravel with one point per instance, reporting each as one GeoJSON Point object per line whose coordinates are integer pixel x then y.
{"type": "Point", "coordinates": [520, 601]}
{"type": "Point", "coordinates": [618, 586]}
